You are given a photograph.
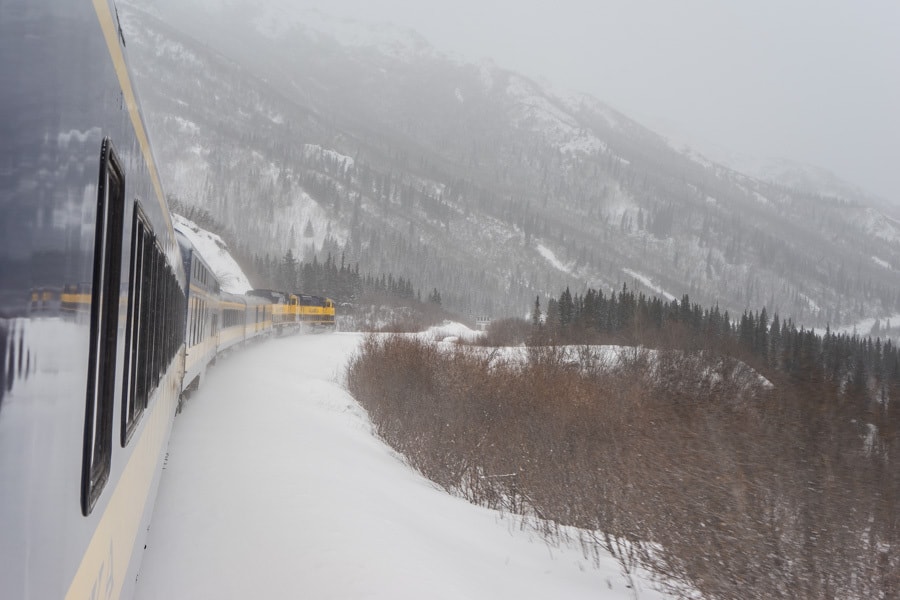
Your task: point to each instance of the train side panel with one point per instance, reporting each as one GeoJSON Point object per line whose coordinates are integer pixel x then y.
{"type": "Point", "coordinates": [243, 318]}
{"type": "Point", "coordinates": [202, 319]}
{"type": "Point", "coordinates": [89, 269]}
{"type": "Point", "coordinates": [233, 311]}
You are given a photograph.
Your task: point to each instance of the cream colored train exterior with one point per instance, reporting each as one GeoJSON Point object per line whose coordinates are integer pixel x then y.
{"type": "Point", "coordinates": [91, 306]}
{"type": "Point", "coordinates": [104, 317]}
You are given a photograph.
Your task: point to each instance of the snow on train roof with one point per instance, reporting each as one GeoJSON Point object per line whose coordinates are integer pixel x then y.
{"type": "Point", "coordinates": [215, 252]}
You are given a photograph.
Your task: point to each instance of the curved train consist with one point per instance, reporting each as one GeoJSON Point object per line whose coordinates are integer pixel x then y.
{"type": "Point", "coordinates": [107, 314]}
{"type": "Point", "coordinates": [216, 321]}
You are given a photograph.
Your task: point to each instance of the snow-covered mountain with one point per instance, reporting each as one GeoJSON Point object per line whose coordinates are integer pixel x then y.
{"type": "Point", "coordinates": [328, 136]}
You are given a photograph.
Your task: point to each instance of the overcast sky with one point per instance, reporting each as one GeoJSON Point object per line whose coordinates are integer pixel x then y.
{"type": "Point", "coordinates": [817, 81]}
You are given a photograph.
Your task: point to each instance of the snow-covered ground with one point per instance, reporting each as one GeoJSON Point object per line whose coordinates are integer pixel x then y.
{"type": "Point", "coordinates": [863, 327]}
{"type": "Point", "coordinates": [647, 282]}
{"type": "Point", "coordinates": [552, 259]}
{"type": "Point", "coordinates": [450, 331]}
{"type": "Point", "coordinates": [276, 487]}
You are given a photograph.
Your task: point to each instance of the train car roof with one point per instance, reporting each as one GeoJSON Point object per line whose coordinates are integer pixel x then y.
{"type": "Point", "coordinates": [274, 295]}
{"type": "Point", "coordinates": [188, 249]}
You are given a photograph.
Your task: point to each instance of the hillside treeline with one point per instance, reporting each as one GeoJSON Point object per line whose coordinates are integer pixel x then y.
{"type": "Point", "coordinates": [342, 283]}
{"type": "Point", "coordinates": [365, 302]}
{"type": "Point", "coordinates": [862, 374]}
{"type": "Point", "coordinates": [674, 455]}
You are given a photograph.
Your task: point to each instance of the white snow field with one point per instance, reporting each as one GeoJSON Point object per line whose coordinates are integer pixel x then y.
{"type": "Point", "coordinates": [276, 487]}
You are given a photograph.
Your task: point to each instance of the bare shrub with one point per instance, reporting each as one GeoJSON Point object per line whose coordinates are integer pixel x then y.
{"type": "Point", "coordinates": [506, 332]}
{"type": "Point", "coordinates": [682, 462]}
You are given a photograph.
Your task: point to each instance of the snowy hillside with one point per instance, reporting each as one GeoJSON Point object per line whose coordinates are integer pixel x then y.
{"type": "Point", "coordinates": [365, 142]}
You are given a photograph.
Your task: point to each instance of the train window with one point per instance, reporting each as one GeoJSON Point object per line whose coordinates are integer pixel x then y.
{"type": "Point", "coordinates": [154, 361]}
{"type": "Point", "coordinates": [133, 403]}
{"type": "Point", "coordinates": [98, 418]}
{"type": "Point", "coordinates": [139, 370]}
{"type": "Point", "coordinates": [156, 315]}
{"type": "Point", "coordinates": [196, 325]}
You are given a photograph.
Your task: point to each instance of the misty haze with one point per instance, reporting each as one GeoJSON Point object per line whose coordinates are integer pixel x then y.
{"type": "Point", "coordinates": [608, 295]}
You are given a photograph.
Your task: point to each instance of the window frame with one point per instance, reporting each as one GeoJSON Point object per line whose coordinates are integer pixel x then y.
{"type": "Point", "coordinates": [133, 402]}
{"type": "Point", "coordinates": [101, 373]}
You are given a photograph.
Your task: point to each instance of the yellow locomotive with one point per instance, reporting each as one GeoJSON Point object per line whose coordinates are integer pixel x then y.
{"type": "Point", "coordinates": [314, 311]}
{"type": "Point", "coordinates": [294, 309]}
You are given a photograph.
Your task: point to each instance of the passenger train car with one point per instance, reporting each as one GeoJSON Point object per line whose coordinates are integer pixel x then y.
{"type": "Point", "coordinates": [91, 298]}
{"type": "Point", "coordinates": [201, 319]}
{"type": "Point", "coordinates": [106, 314]}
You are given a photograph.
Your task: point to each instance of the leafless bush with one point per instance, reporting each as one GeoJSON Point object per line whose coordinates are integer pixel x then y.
{"type": "Point", "coordinates": [684, 463]}
{"type": "Point", "coordinates": [506, 332]}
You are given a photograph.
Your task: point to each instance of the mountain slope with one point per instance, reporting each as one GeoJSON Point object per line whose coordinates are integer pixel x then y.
{"type": "Point", "coordinates": [469, 178]}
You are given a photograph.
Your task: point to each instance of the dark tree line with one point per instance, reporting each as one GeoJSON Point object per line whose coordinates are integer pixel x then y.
{"type": "Point", "coordinates": [845, 376]}
{"type": "Point", "coordinates": [339, 281]}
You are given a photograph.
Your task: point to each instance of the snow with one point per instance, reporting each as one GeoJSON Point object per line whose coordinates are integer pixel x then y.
{"type": "Point", "coordinates": [276, 487]}
{"type": "Point", "coordinates": [869, 439]}
{"type": "Point", "coordinates": [278, 19]}
{"type": "Point", "coordinates": [863, 327]}
{"type": "Point", "coordinates": [215, 253]}
{"type": "Point", "coordinates": [760, 198]}
{"type": "Point", "coordinates": [316, 150]}
{"type": "Point", "coordinates": [688, 152]}
{"type": "Point", "coordinates": [587, 144]}
{"type": "Point", "coordinates": [881, 262]}
{"type": "Point", "coordinates": [579, 101]}
{"type": "Point", "coordinates": [536, 109]}
{"type": "Point", "coordinates": [647, 282]}
{"type": "Point", "coordinates": [879, 225]}
{"type": "Point", "coordinates": [485, 74]}
{"type": "Point", "coordinates": [450, 331]}
{"type": "Point", "coordinates": [592, 356]}
{"type": "Point", "coordinates": [530, 95]}
{"type": "Point", "coordinates": [548, 254]}
{"type": "Point", "coordinates": [609, 355]}
{"type": "Point", "coordinates": [186, 126]}
{"type": "Point", "coordinates": [811, 303]}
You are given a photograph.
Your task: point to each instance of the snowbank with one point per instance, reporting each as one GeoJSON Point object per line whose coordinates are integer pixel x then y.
{"type": "Point", "coordinates": [450, 331]}
{"type": "Point", "coordinates": [276, 487]}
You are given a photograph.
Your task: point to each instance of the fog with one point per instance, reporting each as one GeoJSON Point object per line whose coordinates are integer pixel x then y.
{"type": "Point", "coordinates": [812, 81]}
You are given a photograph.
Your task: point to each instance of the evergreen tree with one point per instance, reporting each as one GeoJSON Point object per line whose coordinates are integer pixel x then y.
{"type": "Point", "coordinates": [536, 312]}
{"type": "Point", "coordinates": [435, 297]}
{"type": "Point", "coordinates": [287, 277]}
{"type": "Point", "coordinates": [566, 308]}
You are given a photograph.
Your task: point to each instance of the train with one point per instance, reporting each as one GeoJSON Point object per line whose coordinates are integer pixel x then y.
{"type": "Point", "coordinates": [217, 321]}
{"type": "Point", "coordinates": [109, 317]}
